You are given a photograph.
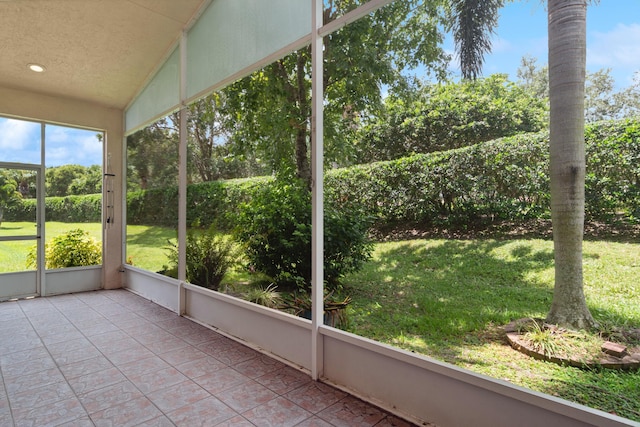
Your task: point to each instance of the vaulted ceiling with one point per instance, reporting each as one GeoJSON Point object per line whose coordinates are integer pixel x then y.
{"type": "Point", "coordinates": [101, 51]}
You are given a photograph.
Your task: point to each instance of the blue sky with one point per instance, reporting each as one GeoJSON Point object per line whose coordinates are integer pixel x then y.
{"type": "Point", "coordinates": [613, 38]}
{"type": "Point", "coordinates": [613, 41]}
{"type": "Point", "coordinates": [20, 143]}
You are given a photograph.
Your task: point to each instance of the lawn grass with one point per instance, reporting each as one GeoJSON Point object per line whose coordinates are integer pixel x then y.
{"type": "Point", "coordinates": [148, 247]}
{"type": "Point", "coordinates": [448, 298]}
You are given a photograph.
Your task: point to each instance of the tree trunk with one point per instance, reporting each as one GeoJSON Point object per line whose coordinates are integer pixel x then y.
{"type": "Point", "coordinates": [567, 58]}
{"type": "Point", "coordinates": [302, 158]}
{"type": "Point", "coordinates": [303, 165]}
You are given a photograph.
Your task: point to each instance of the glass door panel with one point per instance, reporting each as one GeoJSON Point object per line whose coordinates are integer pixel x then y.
{"type": "Point", "coordinates": [19, 231]}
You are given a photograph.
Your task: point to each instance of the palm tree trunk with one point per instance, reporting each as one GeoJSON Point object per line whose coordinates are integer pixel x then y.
{"type": "Point", "coordinates": [567, 58]}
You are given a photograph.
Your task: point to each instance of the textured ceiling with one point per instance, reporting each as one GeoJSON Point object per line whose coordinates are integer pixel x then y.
{"type": "Point", "coordinates": [100, 51]}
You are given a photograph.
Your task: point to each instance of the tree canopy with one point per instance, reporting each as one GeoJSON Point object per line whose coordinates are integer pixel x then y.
{"type": "Point", "coordinates": [261, 123]}
{"type": "Point", "coordinates": [602, 100]}
{"type": "Point", "coordinates": [449, 115]}
{"type": "Point", "coordinates": [8, 192]}
{"type": "Point", "coordinates": [273, 105]}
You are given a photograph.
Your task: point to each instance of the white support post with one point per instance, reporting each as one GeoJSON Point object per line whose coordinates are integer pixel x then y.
{"type": "Point", "coordinates": [182, 175]}
{"type": "Point", "coordinates": [317, 176]}
{"type": "Point", "coordinates": [41, 284]}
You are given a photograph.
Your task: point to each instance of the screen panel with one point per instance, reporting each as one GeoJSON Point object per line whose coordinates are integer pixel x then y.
{"type": "Point", "coordinates": [161, 95]}
{"type": "Point", "coordinates": [232, 35]}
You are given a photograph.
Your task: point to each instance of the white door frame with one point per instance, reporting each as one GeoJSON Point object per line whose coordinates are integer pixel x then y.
{"type": "Point", "coordinates": [23, 284]}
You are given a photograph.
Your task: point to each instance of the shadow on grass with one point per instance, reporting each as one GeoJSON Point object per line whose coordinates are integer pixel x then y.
{"type": "Point", "coordinates": [445, 289]}
{"type": "Point", "coordinates": [610, 391]}
{"type": "Point", "coordinates": [151, 236]}
{"type": "Point", "coordinates": [437, 296]}
{"type": "Point", "coordinates": [3, 227]}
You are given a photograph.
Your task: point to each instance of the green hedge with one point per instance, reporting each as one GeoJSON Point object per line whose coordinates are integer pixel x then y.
{"type": "Point", "coordinates": [63, 209]}
{"type": "Point", "coordinates": [209, 202]}
{"type": "Point", "coordinates": [613, 169]}
{"type": "Point", "coordinates": [501, 179]}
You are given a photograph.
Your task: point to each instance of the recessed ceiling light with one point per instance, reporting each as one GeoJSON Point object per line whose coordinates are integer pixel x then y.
{"type": "Point", "coordinates": [36, 68]}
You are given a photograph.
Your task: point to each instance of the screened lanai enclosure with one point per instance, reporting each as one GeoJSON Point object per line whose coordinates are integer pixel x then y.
{"type": "Point", "coordinates": [113, 67]}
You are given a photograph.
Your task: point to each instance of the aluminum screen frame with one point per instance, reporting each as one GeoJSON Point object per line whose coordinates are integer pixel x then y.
{"type": "Point", "coordinates": [159, 97]}
{"type": "Point", "coordinates": [230, 39]}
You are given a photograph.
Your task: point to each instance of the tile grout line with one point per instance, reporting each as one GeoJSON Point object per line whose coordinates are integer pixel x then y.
{"type": "Point", "coordinates": [75, 394]}
{"type": "Point", "coordinates": [156, 355]}
{"type": "Point", "coordinates": [173, 328]}
{"type": "Point", "coordinates": [107, 358]}
{"type": "Point", "coordinates": [4, 385]}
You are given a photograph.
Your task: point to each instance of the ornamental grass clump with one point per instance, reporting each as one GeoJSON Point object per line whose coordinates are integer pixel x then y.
{"type": "Point", "coordinates": [209, 256]}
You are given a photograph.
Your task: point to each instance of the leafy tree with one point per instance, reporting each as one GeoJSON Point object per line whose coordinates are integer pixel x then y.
{"type": "Point", "coordinates": [9, 193]}
{"type": "Point", "coordinates": [26, 184]}
{"type": "Point", "coordinates": [273, 105]}
{"type": "Point", "coordinates": [212, 155]}
{"type": "Point", "coordinates": [58, 179]}
{"type": "Point", "coordinates": [89, 182]}
{"type": "Point", "coordinates": [452, 115]}
{"type": "Point", "coordinates": [602, 101]}
{"type": "Point", "coordinates": [629, 98]}
{"type": "Point", "coordinates": [261, 123]}
{"type": "Point", "coordinates": [534, 79]}
{"type": "Point", "coordinates": [204, 130]}
{"type": "Point", "coordinates": [152, 156]}
{"type": "Point", "coordinates": [25, 179]}
{"type": "Point", "coordinates": [567, 63]}
{"type": "Point", "coordinates": [67, 180]}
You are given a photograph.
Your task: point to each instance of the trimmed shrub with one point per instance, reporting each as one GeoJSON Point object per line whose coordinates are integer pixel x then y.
{"type": "Point", "coordinates": [87, 208]}
{"type": "Point", "coordinates": [76, 248]}
{"type": "Point", "coordinates": [208, 203]}
{"type": "Point", "coordinates": [74, 208]}
{"type": "Point", "coordinates": [506, 178]}
{"type": "Point", "coordinates": [612, 183]}
{"type": "Point", "coordinates": [153, 207]}
{"type": "Point", "coordinates": [502, 179]}
{"type": "Point", "coordinates": [276, 230]}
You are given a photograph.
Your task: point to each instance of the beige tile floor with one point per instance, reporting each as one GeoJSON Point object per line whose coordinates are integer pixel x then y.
{"type": "Point", "coordinates": [112, 358]}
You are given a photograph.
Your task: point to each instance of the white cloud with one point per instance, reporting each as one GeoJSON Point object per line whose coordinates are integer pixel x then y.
{"type": "Point", "coordinates": [72, 146]}
{"type": "Point", "coordinates": [16, 134]}
{"type": "Point", "coordinates": [19, 141]}
{"type": "Point", "coordinates": [616, 49]}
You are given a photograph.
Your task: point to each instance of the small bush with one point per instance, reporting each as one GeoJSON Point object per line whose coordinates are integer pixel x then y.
{"type": "Point", "coordinates": [209, 256]}
{"type": "Point", "coordinates": [276, 230]}
{"type": "Point", "coordinates": [76, 248]}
